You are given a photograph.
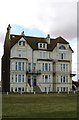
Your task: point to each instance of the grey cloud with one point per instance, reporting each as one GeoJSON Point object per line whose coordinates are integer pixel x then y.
{"type": "Point", "coordinates": [1, 37]}
{"type": "Point", "coordinates": [59, 18]}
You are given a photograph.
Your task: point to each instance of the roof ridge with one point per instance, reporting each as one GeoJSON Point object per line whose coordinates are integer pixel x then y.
{"type": "Point", "coordinates": [27, 36]}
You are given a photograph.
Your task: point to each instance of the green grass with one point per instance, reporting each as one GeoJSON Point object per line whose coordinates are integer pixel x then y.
{"type": "Point", "coordinates": [40, 105]}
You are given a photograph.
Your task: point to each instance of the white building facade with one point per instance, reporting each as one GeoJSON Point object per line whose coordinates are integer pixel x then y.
{"type": "Point", "coordinates": [40, 64]}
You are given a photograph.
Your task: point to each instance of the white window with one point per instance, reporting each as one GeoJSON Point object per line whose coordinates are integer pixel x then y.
{"type": "Point", "coordinates": [19, 66]}
{"type": "Point", "coordinates": [29, 67]}
{"type": "Point", "coordinates": [46, 78]}
{"type": "Point", "coordinates": [43, 67]}
{"type": "Point", "coordinates": [16, 78]}
{"type": "Point", "coordinates": [40, 45]}
{"type": "Point", "coordinates": [16, 66]}
{"type": "Point", "coordinates": [64, 89]}
{"type": "Point", "coordinates": [64, 67]}
{"type": "Point", "coordinates": [49, 67]}
{"type": "Point", "coordinates": [43, 45]}
{"type": "Point", "coordinates": [64, 79]}
{"type": "Point", "coordinates": [22, 66]}
{"type": "Point", "coordinates": [43, 78]}
{"type": "Point", "coordinates": [19, 78]}
{"type": "Point", "coordinates": [34, 67]}
{"type": "Point", "coordinates": [61, 79]}
{"type": "Point", "coordinates": [21, 43]}
{"type": "Point", "coordinates": [22, 78]}
{"type": "Point", "coordinates": [61, 56]}
{"type": "Point", "coordinates": [46, 67]}
{"type": "Point", "coordinates": [62, 47]}
{"type": "Point", "coordinates": [49, 80]}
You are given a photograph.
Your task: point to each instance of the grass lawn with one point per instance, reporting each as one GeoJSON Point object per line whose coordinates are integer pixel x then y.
{"type": "Point", "coordinates": [40, 105]}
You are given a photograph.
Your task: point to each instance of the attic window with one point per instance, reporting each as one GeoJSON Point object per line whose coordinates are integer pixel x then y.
{"type": "Point", "coordinates": [42, 45]}
{"type": "Point", "coordinates": [21, 43]}
{"type": "Point", "coordinates": [62, 47]}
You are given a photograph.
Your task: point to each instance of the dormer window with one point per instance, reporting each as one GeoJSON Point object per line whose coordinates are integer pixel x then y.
{"type": "Point", "coordinates": [21, 43]}
{"type": "Point", "coordinates": [42, 45]}
{"type": "Point", "coordinates": [62, 47]}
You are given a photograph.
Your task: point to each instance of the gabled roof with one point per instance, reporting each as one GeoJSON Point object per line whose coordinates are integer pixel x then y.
{"type": "Point", "coordinates": [33, 41]}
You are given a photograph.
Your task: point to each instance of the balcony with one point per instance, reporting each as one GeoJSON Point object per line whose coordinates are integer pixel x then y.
{"type": "Point", "coordinates": [72, 74]}
{"type": "Point", "coordinates": [33, 72]}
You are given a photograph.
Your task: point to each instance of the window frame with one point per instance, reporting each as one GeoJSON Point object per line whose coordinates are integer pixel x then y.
{"type": "Point", "coordinates": [62, 47]}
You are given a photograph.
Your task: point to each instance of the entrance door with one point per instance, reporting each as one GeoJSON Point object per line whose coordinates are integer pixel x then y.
{"type": "Point", "coordinates": [29, 80]}
{"type": "Point", "coordinates": [19, 89]}
{"type": "Point", "coordinates": [34, 81]}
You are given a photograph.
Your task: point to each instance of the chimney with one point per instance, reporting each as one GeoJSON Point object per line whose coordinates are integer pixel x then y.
{"type": "Point", "coordinates": [48, 39]}
{"type": "Point", "coordinates": [6, 62]}
{"type": "Point", "coordinates": [22, 33]}
{"type": "Point", "coordinates": [8, 30]}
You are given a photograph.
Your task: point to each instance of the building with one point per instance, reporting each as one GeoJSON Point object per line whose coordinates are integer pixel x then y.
{"type": "Point", "coordinates": [75, 85]}
{"type": "Point", "coordinates": [36, 64]}
{"type": "Point", "coordinates": [0, 87]}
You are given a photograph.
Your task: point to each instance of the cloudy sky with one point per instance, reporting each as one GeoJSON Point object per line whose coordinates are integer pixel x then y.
{"type": "Point", "coordinates": [40, 17]}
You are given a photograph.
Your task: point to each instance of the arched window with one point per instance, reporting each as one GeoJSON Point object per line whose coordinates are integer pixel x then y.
{"type": "Point", "coordinates": [62, 47]}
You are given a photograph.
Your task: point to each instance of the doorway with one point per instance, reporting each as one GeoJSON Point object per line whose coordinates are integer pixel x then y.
{"type": "Point", "coordinates": [34, 81]}
{"type": "Point", "coordinates": [19, 89]}
{"type": "Point", "coordinates": [29, 80]}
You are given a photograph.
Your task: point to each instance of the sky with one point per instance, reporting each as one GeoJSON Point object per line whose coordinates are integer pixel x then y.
{"type": "Point", "coordinates": [39, 18]}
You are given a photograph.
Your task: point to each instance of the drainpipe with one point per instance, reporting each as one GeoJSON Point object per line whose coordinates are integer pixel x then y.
{"type": "Point", "coordinates": [32, 74]}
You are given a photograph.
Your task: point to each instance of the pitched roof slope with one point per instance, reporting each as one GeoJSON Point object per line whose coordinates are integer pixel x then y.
{"type": "Point", "coordinates": [33, 41]}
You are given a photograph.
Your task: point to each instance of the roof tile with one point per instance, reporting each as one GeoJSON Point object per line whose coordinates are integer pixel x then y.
{"type": "Point", "coordinates": [33, 41]}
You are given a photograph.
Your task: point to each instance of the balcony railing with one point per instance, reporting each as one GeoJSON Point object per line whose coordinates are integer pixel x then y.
{"type": "Point", "coordinates": [33, 72]}
{"type": "Point", "coordinates": [72, 73]}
